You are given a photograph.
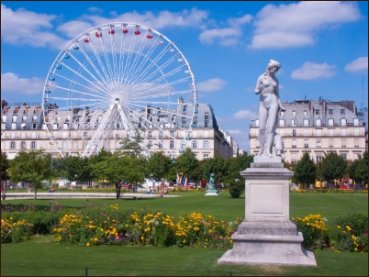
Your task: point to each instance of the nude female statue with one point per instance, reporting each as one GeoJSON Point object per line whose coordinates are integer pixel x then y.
{"type": "Point", "coordinates": [269, 106]}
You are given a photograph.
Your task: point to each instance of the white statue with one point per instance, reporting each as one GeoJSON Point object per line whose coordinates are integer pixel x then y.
{"type": "Point", "coordinates": [269, 106]}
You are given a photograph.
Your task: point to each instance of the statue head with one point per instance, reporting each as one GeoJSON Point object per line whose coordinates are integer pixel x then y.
{"type": "Point", "coordinates": [273, 64]}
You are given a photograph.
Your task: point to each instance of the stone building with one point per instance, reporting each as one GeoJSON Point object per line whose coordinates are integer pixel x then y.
{"type": "Point", "coordinates": [23, 128]}
{"type": "Point", "coordinates": [317, 127]}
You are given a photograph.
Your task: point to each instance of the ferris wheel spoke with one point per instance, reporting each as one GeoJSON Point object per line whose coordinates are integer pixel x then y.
{"type": "Point", "coordinates": [107, 61]}
{"type": "Point", "coordinates": [101, 85]}
{"type": "Point", "coordinates": [132, 69]}
{"type": "Point", "coordinates": [92, 64]}
{"type": "Point", "coordinates": [164, 76]}
{"type": "Point", "coordinates": [144, 93]}
{"type": "Point", "coordinates": [78, 106]}
{"type": "Point", "coordinates": [81, 85]}
{"type": "Point", "coordinates": [138, 71]}
{"type": "Point", "coordinates": [153, 65]}
{"type": "Point", "coordinates": [83, 77]}
{"type": "Point", "coordinates": [161, 95]}
{"type": "Point", "coordinates": [79, 92]}
{"type": "Point", "coordinates": [104, 70]}
{"type": "Point", "coordinates": [127, 62]}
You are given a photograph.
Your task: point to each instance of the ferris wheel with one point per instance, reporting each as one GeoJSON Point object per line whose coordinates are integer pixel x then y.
{"type": "Point", "coordinates": [118, 76]}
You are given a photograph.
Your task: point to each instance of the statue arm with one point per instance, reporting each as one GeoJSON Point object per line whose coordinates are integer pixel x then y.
{"type": "Point", "coordinates": [279, 99]}
{"type": "Point", "coordinates": [259, 85]}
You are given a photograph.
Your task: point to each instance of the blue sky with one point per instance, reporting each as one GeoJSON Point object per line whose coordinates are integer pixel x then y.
{"type": "Point", "coordinates": [322, 46]}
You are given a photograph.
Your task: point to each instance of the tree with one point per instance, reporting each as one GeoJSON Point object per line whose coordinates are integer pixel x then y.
{"type": "Point", "coordinates": [332, 167]}
{"type": "Point", "coordinates": [187, 164]}
{"type": "Point", "coordinates": [214, 165]}
{"type": "Point", "coordinates": [4, 167]}
{"type": "Point", "coordinates": [77, 169]}
{"type": "Point", "coordinates": [304, 171]}
{"type": "Point", "coordinates": [132, 146]}
{"type": "Point", "coordinates": [158, 165]}
{"type": "Point", "coordinates": [31, 167]}
{"type": "Point", "coordinates": [358, 170]}
{"type": "Point", "coordinates": [234, 180]}
{"type": "Point", "coordinates": [118, 169]}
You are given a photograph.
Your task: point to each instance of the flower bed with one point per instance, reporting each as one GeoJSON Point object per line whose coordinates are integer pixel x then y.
{"type": "Point", "coordinates": [15, 230]}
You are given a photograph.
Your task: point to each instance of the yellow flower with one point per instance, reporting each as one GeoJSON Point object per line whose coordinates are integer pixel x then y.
{"type": "Point", "coordinates": [88, 244]}
{"type": "Point", "coordinates": [348, 228]}
{"type": "Point", "coordinates": [339, 226]}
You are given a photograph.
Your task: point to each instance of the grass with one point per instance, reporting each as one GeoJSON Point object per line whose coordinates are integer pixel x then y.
{"type": "Point", "coordinates": [40, 257]}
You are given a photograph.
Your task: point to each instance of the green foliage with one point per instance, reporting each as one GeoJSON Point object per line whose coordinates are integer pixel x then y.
{"type": "Point", "coordinates": [187, 164]}
{"type": "Point", "coordinates": [304, 172]}
{"type": "Point", "coordinates": [214, 165]}
{"type": "Point", "coordinates": [158, 165]}
{"type": "Point", "coordinates": [351, 233]}
{"type": "Point", "coordinates": [31, 167]}
{"type": "Point", "coordinates": [236, 188]}
{"type": "Point", "coordinates": [4, 165]}
{"type": "Point", "coordinates": [332, 167]}
{"type": "Point", "coordinates": [132, 146]}
{"type": "Point", "coordinates": [15, 230]}
{"type": "Point", "coordinates": [235, 165]}
{"type": "Point", "coordinates": [358, 170]}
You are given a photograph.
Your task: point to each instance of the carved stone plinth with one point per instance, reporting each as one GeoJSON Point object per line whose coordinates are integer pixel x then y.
{"type": "Point", "coordinates": [266, 235]}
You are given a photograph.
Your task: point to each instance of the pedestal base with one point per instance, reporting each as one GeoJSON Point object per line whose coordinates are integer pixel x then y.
{"type": "Point", "coordinates": [211, 192]}
{"type": "Point", "coordinates": [273, 242]}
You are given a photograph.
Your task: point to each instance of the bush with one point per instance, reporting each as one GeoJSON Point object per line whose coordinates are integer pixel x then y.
{"type": "Point", "coordinates": [236, 188]}
{"type": "Point", "coordinates": [15, 231]}
{"type": "Point", "coordinates": [351, 233]}
{"type": "Point", "coordinates": [314, 231]}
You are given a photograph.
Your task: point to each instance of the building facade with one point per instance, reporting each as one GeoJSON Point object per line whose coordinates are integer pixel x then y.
{"type": "Point", "coordinates": [317, 127]}
{"type": "Point", "coordinates": [23, 128]}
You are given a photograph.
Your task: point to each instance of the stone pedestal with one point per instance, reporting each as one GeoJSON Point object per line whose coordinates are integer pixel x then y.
{"type": "Point", "coordinates": [266, 235]}
{"type": "Point", "coordinates": [211, 192]}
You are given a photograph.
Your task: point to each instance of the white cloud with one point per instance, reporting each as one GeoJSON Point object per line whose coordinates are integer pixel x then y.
{"type": "Point", "coordinates": [295, 25]}
{"type": "Point", "coordinates": [29, 28]}
{"type": "Point", "coordinates": [227, 36]}
{"type": "Point", "coordinates": [360, 64]}
{"type": "Point", "coordinates": [245, 114]}
{"type": "Point", "coordinates": [235, 132]}
{"type": "Point", "coordinates": [11, 82]}
{"type": "Point", "coordinates": [164, 19]}
{"type": "Point", "coordinates": [224, 36]}
{"type": "Point", "coordinates": [95, 10]}
{"type": "Point", "coordinates": [213, 84]}
{"type": "Point", "coordinates": [74, 27]}
{"type": "Point", "coordinates": [311, 71]}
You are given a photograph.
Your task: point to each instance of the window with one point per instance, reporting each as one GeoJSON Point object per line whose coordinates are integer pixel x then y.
{"type": "Point", "coordinates": [23, 126]}
{"type": "Point", "coordinates": [294, 113]}
{"type": "Point", "coordinates": [344, 156]}
{"type": "Point", "coordinates": [306, 145]}
{"type": "Point", "coordinates": [184, 109]}
{"type": "Point", "coordinates": [281, 122]}
{"type": "Point", "coordinates": [282, 113]}
{"type": "Point", "coordinates": [330, 111]}
{"type": "Point", "coordinates": [294, 132]}
{"type": "Point", "coordinates": [194, 144]}
{"type": "Point", "coordinates": [33, 145]}
{"type": "Point", "coordinates": [305, 112]}
{"type": "Point", "coordinates": [206, 144]}
{"type": "Point", "coordinates": [330, 122]}
{"type": "Point", "coordinates": [149, 144]}
{"type": "Point", "coordinates": [206, 156]}
{"type": "Point", "coordinates": [160, 134]}
{"type": "Point", "coordinates": [343, 121]}
{"type": "Point", "coordinates": [14, 118]}
{"type": "Point", "coordinates": [294, 144]}
{"type": "Point", "coordinates": [149, 135]}
{"type": "Point", "coordinates": [4, 118]}
{"type": "Point", "coordinates": [171, 144]}
{"type": "Point", "coordinates": [293, 122]}
{"type": "Point", "coordinates": [306, 122]}
{"type": "Point", "coordinates": [318, 143]}
{"type": "Point", "coordinates": [317, 112]}
{"type": "Point", "coordinates": [23, 145]}
{"type": "Point", "coordinates": [318, 122]}
{"type": "Point", "coordinates": [160, 145]}
{"type": "Point", "coordinates": [14, 126]}
{"type": "Point", "coordinates": [319, 158]}
{"type": "Point", "coordinates": [55, 126]}
{"type": "Point", "coordinates": [257, 123]}
{"type": "Point", "coordinates": [342, 111]}
{"type": "Point", "coordinates": [356, 122]}
{"type": "Point", "coordinates": [12, 145]}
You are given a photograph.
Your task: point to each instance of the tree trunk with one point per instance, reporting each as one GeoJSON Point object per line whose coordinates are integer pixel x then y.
{"type": "Point", "coordinates": [35, 194]}
{"type": "Point", "coordinates": [118, 189]}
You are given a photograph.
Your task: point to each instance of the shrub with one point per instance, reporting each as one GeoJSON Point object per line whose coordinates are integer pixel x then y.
{"type": "Point", "coordinates": [236, 188]}
{"type": "Point", "coordinates": [351, 233]}
{"type": "Point", "coordinates": [313, 229]}
{"type": "Point", "coordinates": [15, 231]}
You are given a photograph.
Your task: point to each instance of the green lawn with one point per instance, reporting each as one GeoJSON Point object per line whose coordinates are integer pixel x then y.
{"type": "Point", "coordinates": [329, 205]}
{"type": "Point", "coordinates": [40, 256]}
